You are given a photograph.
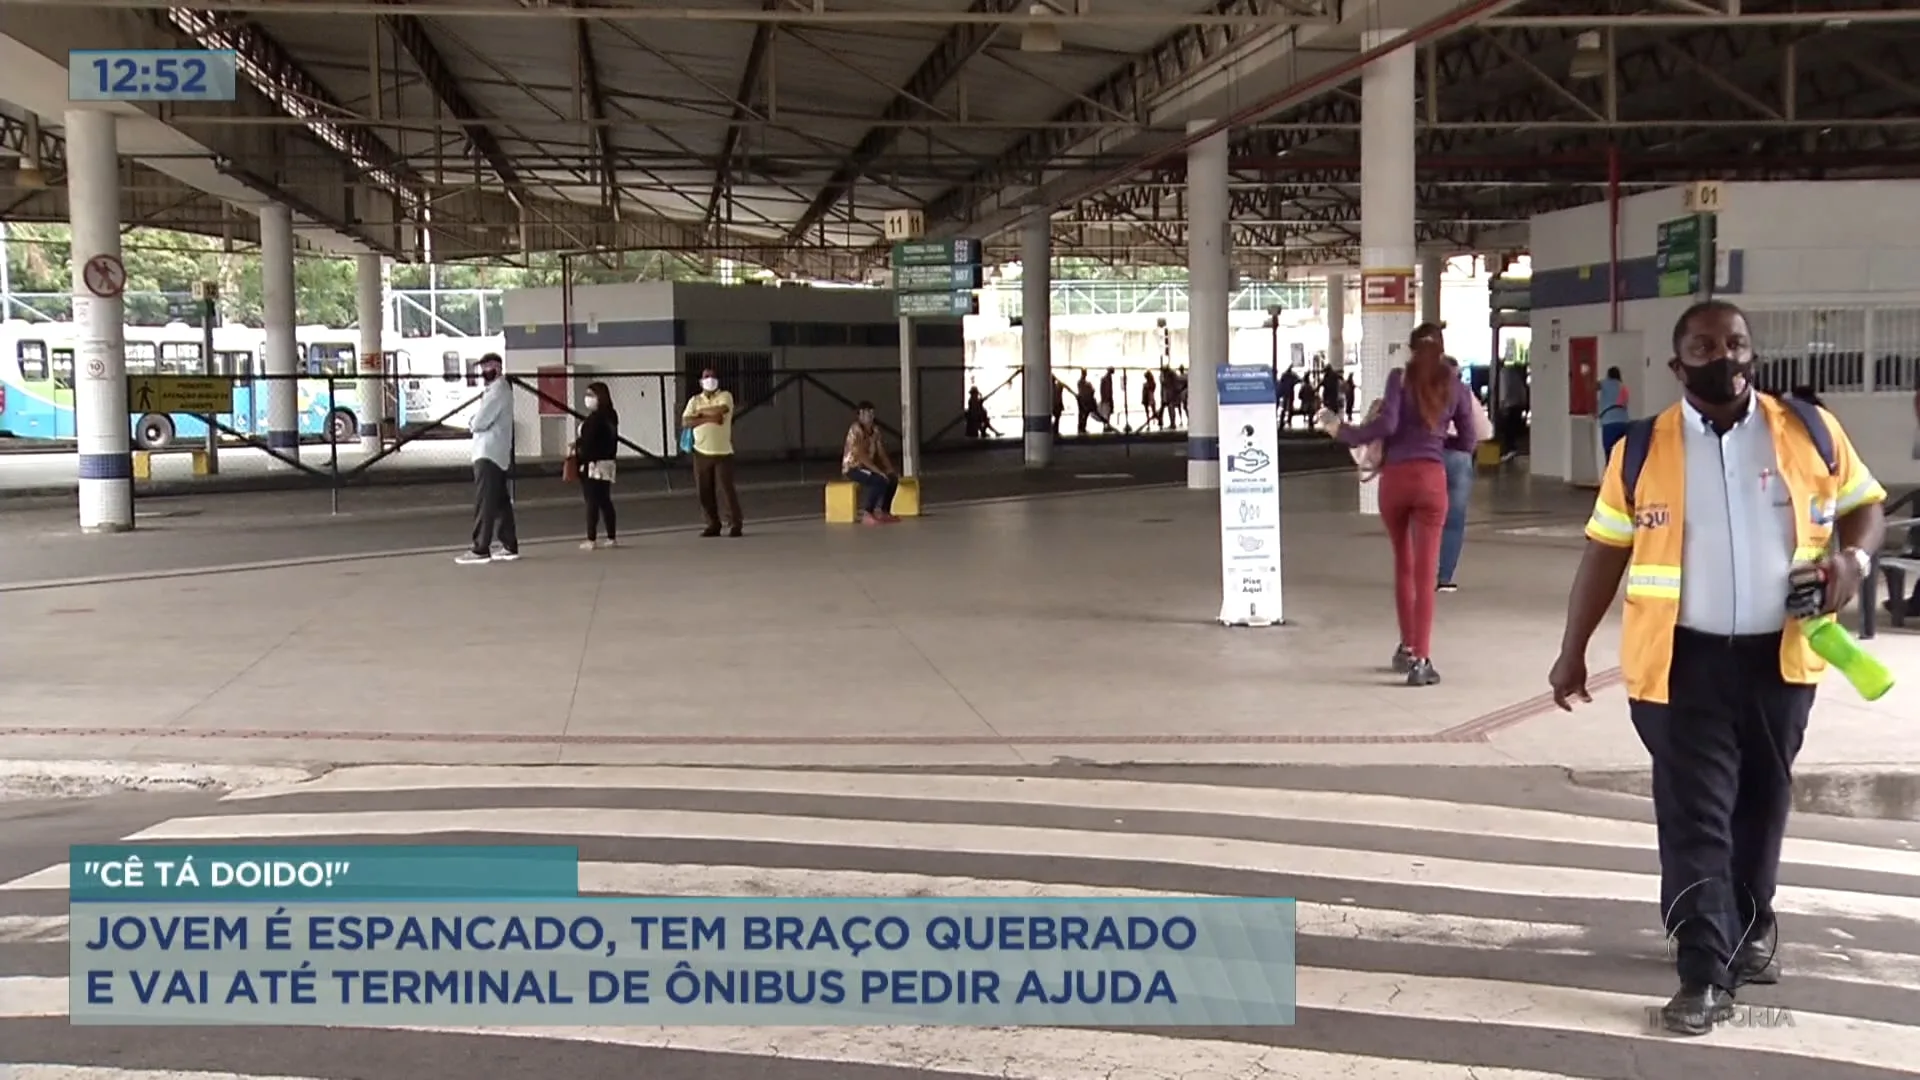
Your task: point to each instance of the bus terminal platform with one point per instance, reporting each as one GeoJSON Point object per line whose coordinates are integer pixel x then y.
{"type": "Point", "coordinates": [1021, 620]}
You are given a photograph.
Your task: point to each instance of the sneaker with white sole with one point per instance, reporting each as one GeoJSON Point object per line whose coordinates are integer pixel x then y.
{"type": "Point", "coordinates": [609, 543]}
{"type": "Point", "coordinates": [506, 556]}
{"type": "Point", "coordinates": [588, 545]}
{"type": "Point", "coordinates": [472, 558]}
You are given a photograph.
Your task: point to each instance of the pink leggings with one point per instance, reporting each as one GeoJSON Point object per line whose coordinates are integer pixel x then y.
{"type": "Point", "coordinates": [1413, 504]}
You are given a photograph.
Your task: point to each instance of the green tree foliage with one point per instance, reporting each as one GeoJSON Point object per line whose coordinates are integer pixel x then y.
{"type": "Point", "coordinates": [163, 266]}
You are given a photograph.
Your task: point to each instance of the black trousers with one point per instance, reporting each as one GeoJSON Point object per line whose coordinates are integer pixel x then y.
{"type": "Point", "coordinates": [599, 497]}
{"type": "Point", "coordinates": [492, 510]}
{"type": "Point", "coordinates": [1723, 750]}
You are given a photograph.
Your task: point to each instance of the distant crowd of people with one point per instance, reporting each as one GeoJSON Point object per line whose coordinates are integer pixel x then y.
{"type": "Point", "coordinates": [1163, 401]}
{"type": "Point", "coordinates": [592, 462]}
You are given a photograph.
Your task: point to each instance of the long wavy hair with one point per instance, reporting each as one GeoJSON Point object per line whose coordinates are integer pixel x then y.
{"type": "Point", "coordinates": [1429, 382]}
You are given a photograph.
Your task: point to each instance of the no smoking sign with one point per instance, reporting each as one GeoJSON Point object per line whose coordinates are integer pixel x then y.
{"type": "Point", "coordinates": [105, 276]}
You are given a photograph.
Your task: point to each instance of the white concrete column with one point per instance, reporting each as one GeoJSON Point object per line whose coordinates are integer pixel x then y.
{"type": "Point", "coordinates": [1209, 280]}
{"type": "Point", "coordinates": [1433, 269]}
{"type": "Point", "coordinates": [1387, 252]}
{"type": "Point", "coordinates": [282, 362]}
{"type": "Point", "coordinates": [1337, 321]}
{"type": "Point", "coordinates": [909, 401]}
{"type": "Point", "coordinates": [1036, 337]}
{"type": "Point", "coordinates": [370, 392]}
{"type": "Point", "coordinates": [101, 421]}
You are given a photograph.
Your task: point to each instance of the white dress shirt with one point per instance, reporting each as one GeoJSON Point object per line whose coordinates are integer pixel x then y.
{"type": "Point", "coordinates": [1738, 541]}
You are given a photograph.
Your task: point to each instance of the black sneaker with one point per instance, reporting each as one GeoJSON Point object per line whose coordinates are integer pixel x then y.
{"type": "Point", "coordinates": [1421, 673]}
{"type": "Point", "coordinates": [1696, 1009]}
{"type": "Point", "coordinates": [735, 531]}
{"type": "Point", "coordinates": [1402, 660]}
{"type": "Point", "coordinates": [711, 532]}
{"type": "Point", "coordinates": [1448, 586]}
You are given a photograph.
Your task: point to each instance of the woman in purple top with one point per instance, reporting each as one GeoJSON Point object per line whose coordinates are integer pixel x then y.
{"type": "Point", "coordinates": [1423, 413]}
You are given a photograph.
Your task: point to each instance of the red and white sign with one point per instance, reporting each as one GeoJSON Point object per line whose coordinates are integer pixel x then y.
{"type": "Point", "coordinates": [1386, 290]}
{"type": "Point", "coordinates": [105, 276]}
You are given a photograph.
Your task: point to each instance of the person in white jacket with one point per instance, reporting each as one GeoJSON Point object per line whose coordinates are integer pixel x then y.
{"type": "Point", "coordinates": [492, 429]}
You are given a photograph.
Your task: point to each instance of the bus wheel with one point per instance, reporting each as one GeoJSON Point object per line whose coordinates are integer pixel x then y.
{"type": "Point", "coordinates": [343, 426]}
{"type": "Point", "coordinates": [154, 432]}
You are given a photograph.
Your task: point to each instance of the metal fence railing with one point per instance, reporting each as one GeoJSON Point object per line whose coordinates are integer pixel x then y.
{"type": "Point", "coordinates": [343, 431]}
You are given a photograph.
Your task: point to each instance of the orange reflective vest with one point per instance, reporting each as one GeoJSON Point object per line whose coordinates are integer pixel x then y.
{"type": "Point", "coordinates": [1653, 523]}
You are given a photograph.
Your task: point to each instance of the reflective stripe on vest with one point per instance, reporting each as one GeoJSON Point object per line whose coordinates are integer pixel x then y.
{"type": "Point", "coordinates": [1654, 582]}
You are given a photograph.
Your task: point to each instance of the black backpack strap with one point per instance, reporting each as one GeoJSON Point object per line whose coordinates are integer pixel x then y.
{"type": "Point", "coordinates": [1633, 455]}
{"type": "Point", "coordinates": [1639, 439]}
{"type": "Point", "coordinates": [1817, 430]}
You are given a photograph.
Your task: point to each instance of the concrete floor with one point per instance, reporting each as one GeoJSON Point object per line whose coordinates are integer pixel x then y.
{"type": "Point", "coordinates": [987, 632]}
{"type": "Point", "coordinates": [1453, 924]}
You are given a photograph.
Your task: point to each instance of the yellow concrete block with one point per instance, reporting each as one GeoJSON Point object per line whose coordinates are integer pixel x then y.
{"type": "Point", "coordinates": [142, 465]}
{"type": "Point", "coordinates": [906, 501]}
{"type": "Point", "coordinates": [200, 463]}
{"type": "Point", "coordinates": [843, 502]}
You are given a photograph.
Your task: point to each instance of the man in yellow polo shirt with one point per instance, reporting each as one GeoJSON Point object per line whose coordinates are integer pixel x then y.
{"type": "Point", "coordinates": [709, 414]}
{"type": "Point", "coordinates": [1709, 509]}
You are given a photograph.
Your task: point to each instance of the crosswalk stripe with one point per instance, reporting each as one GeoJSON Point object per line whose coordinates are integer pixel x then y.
{"type": "Point", "coordinates": [1403, 953]}
{"type": "Point", "coordinates": [1511, 879]}
{"type": "Point", "coordinates": [1015, 1054]}
{"type": "Point", "coordinates": [1330, 807]}
{"type": "Point", "coordinates": [1402, 996]}
{"type": "Point", "coordinates": [32, 929]}
{"type": "Point", "coordinates": [1837, 962]}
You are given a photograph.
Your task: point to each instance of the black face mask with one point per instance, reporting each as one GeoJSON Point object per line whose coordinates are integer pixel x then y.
{"type": "Point", "coordinates": [1713, 381]}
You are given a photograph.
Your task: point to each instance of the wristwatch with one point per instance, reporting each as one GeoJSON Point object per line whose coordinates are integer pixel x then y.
{"type": "Point", "coordinates": [1861, 560]}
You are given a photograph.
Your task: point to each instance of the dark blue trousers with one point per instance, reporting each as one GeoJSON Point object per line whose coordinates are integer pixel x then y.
{"type": "Point", "coordinates": [876, 491]}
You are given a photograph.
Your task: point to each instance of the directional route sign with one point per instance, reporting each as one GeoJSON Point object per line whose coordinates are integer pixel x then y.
{"type": "Point", "coordinates": [963, 252]}
{"type": "Point", "coordinates": [935, 305]}
{"type": "Point", "coordinates": [938, 278]}
{"type": "Point", "coordinates": [1682, 249]}
{"type": "Point", "coordinates": [179, 394]}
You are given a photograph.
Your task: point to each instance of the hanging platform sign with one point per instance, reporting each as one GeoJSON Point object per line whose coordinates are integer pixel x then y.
{"type": "Point", "coordinates": [935, 305]}
{"type": "Point", "coordinates": [936, 278]}
{"type": "Point", "coordinates": [105, 276]}
{"type": "Point", "coordinates": [1386, 290]}
{"type": "Point", "coordinates": [1249, 496]}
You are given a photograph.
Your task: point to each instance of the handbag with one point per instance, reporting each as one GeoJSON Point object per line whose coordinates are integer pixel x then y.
{"type": "Point", "coordinates": [570, 470]}
{"type": "Point", "coordinates": [1370, 457]}
{"type": "Point", "coordinates": [686, 440]}
{"type": "Point", "coordinates": [1482, 423]}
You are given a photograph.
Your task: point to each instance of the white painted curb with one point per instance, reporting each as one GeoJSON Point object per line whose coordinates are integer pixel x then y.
{"type": "Point", "coordinates": [55, 779]}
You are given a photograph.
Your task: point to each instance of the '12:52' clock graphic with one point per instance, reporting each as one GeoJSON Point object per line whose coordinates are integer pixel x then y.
{"type": "Point", "coordinates": [151, 75]}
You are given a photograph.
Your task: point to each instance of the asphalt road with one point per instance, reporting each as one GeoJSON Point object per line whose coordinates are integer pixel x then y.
{"type": "Point", "coordinates": [1451, 923]}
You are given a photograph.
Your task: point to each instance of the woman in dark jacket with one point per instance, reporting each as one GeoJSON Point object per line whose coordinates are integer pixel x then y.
{"type": "Point", "coordinates": [594, 454]}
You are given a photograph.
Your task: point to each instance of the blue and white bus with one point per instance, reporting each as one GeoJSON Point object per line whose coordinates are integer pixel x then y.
{"type": "Point", "coordinates": [37, 379]}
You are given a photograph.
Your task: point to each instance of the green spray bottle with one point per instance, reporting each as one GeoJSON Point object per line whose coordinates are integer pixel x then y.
{"type": "Point", "coordinates": [1838, 647]}
{"type": "Point", "coordinates": [1833, 642]}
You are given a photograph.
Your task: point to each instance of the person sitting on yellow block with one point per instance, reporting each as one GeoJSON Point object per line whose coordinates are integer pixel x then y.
{"type": "Point", "coordinates": [865, 462]}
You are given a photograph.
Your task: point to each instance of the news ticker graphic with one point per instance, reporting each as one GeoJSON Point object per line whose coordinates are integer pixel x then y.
{"type": "Point", "coordinates": [260, 872]}
{"type": "Point", "coordinates": [500, 937]}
